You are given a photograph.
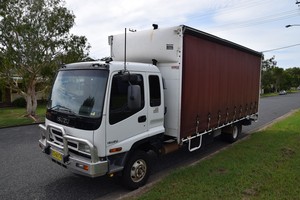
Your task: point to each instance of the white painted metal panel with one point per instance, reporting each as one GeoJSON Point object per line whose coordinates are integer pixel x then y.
{"type": "Point", "coordinates": [142, 46]}
{"type": "Point", "coordinates": [171, 77]}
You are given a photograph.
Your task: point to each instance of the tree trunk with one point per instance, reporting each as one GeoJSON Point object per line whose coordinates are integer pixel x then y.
{"type": "Point", "coordinates": [31, 99]}
{"type": "Point", "coordinates": [28, 103]}
{"type": "Point", "coordinates": [34, 100]}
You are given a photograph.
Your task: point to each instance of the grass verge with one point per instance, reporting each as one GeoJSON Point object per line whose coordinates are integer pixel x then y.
{"type": "Point", "coordinates": [276, 94]}
{"type": "Point", "coordinates": [265, 166]}
{"type": "Point", "coordinates": [269, 95]}
{"type": "Point", "coordinates": [16, 116]}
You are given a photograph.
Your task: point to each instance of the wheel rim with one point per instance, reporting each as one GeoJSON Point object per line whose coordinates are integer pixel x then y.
{"type": "Point", "coordinates": [138, 170]}
{"type": "Point", "coordinates": [235, 132]}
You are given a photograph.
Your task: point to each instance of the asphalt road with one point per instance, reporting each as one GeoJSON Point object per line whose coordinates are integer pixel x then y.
{"type": "Point", "coordinates": [26, 174]}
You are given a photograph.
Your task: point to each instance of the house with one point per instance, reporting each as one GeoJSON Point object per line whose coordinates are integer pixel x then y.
{"type": "Point", "coordinates": [5, 97]}
{"type": "Point", "coordinates": [8, 95]}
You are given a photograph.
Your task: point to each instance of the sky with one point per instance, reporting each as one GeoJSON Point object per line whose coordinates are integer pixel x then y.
{"type": "Point", "coordinates": [256, 24]}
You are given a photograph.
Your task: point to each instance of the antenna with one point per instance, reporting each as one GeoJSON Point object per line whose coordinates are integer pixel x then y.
{"type": "Point", "coordinates": [125, 45]}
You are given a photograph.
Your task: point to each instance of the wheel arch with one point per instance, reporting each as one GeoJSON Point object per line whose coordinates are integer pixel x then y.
{"type": "Point", "coordinates": [153, 143]}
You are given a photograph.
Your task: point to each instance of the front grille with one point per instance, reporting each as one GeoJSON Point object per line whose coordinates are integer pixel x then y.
{"type": "Point", "coordinates": [56, 136]}
{"type": "Point", "coordinates": [69, 143]}
{"type": "Point", "coordinates": [56, 132]}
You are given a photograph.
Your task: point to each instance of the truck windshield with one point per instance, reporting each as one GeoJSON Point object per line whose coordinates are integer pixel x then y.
{"type": "Point", "coordinates": [79, 92]}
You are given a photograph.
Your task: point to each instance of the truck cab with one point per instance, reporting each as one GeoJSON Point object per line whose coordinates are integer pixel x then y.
{"type": "Point", "coordinates": [99, 116]}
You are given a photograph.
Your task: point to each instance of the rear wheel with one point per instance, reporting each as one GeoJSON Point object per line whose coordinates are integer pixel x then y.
{"type": "Point", "coordinates": [231, 134]}
{"type": "Point", "coordinates": [137, 170]}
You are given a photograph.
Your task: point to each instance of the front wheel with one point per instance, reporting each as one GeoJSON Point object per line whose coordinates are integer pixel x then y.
{"type": "Point", "coordinates": [137, 170]}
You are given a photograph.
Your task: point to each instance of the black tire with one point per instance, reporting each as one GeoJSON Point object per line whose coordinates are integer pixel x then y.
{"type": "Point", "coordinates": [233, 135]}
{"type": "Point", "coordinates": [137, 170]}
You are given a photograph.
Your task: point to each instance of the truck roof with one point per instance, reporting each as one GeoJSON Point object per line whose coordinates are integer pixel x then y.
{"type": "Point", "coordinates": [133, 66]}
{"type": "Point", "coordinates": [112, 66]}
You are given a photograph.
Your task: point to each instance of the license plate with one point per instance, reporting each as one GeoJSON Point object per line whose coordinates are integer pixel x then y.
{"type": "Point", "coordinates": [56, 155]}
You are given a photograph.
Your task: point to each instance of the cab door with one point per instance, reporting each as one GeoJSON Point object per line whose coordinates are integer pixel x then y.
{"type": "Point", "coordinates": [156, 104]}
{"type": "Point", "coordinates": [124, 122]}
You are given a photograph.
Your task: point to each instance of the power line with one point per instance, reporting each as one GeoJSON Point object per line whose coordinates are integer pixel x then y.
{"type": "Point", "coordinates": [231, 26]}
{"type": "Point", "coordinates": [261, 20]}
{"type": "Point", "coordinates": [285, 47]}
{"type": "Point", "coordinates": [231, 7]}
{"type": "Point", "coordinates": [227, 9]}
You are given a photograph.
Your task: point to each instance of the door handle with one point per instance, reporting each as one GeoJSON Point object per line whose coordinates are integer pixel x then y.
{"type": "Point", "coordinates": [142, 119]}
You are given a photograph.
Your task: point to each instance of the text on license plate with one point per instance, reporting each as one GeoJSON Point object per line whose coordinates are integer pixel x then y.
{"type": "Point", "coordinates": [56, 155]}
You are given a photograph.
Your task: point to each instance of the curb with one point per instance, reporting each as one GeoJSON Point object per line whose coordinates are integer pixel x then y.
{"type": "Point", "coordinates": [21, 125]}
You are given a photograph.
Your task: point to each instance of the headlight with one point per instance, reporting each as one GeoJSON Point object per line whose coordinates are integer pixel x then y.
{"type": "Point", "coordinates": [84, 148]}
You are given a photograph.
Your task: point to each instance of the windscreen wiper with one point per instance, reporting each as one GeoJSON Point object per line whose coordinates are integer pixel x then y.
{"type": "Point", "coordinates": [63, 109]}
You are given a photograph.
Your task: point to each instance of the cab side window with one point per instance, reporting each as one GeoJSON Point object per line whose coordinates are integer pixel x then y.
{"type": "Point", "coordinates": [118, 109]}
{"type": "Point", "coordinates": [155, 98]}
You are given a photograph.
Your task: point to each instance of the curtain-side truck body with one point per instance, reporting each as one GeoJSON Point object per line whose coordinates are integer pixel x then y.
{"type": "Point", "coordinates": [163, 89]}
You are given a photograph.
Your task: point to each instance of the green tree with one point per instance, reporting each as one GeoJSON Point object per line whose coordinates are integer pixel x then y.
{"type": "Point", "coordinates": [286, 81]}
{"type": "Point", "coordinates": [294, 74]}
{"type": "Point", "coordinates": [278, 76]}
{"type": "Point", "coordinates": [34, 40]}
{"type": "Point", "coordinates": [267, 78]}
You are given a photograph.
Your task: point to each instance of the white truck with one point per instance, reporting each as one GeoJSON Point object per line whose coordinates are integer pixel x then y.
{"type": "Point", "coordinates": [161, 89]}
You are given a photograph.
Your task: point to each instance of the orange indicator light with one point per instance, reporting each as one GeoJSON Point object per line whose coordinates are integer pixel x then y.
{"type": "Point", "coordinates": [115, 150]}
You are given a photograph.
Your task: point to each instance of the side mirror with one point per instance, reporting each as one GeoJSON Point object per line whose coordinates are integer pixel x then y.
{"type": "Point", "coordinates": [134, 99]}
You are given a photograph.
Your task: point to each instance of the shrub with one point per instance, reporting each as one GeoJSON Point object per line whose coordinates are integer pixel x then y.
{"type": "Point", "coordinates": [19, 102]}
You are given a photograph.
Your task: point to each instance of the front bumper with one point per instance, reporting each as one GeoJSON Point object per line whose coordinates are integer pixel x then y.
{"type": "Point", "coordinates": [92, 167]}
